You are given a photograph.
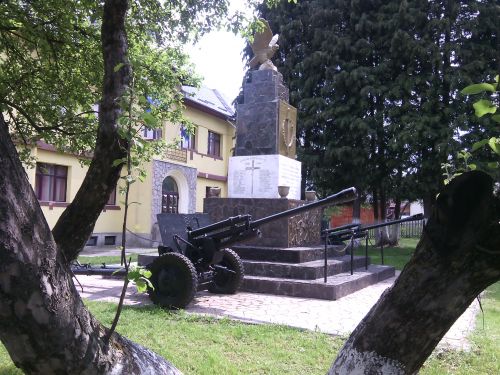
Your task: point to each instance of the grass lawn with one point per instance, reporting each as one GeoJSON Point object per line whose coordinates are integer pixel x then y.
{"type": "Point", "coordinates": [98, 260]}
{"type": "Point", "coordinates": [393, 256]}
{"type": "Point", "coordinates": [199, 345]}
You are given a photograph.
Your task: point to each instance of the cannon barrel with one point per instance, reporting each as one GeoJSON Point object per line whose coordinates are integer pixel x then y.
{"type": "Point", "coordinates": [220, 225]}
{"type": "Point", "coordinates": [244, 221]}
{"type": "Point", "coordinates": [347, 228]}
{"type": "Point", "coordinates": [380, 225]}
{"type": "Point", "coordinates": [346, 195]}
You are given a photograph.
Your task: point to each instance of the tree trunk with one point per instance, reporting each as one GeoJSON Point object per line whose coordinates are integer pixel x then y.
{"type": "Point", "coordinates": [76, 224]}
{"type": "Point", "coordinates": [456, 258]}
{"type": "Point", "coordinates": [382, 234]}
{"type": "Point", "coordinates": [375, 205]}
{"type": "Point", "coordinates": [356, 209]}
{"type": "Point", "coordinates": [43, 322]}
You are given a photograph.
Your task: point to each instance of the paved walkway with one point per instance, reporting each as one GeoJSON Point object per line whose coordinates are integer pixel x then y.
{"type": "Point", "coordinates": [334, 317]}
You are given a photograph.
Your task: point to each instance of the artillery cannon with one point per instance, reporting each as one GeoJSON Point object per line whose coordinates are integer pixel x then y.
{"type": "Point", "coordinates": [196, 258]}
{"type": "Point", "coordinates": [192, 259]}
{"type": "Point", "coordinates": [353, 231]}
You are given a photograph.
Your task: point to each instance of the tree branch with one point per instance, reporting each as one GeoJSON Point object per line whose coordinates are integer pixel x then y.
{"type": "Point", "coordinates": [76, 224]}
{"type": "Point", "coordinates": [32, 123]}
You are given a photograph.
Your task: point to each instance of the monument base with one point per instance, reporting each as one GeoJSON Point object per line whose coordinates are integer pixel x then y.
{"type": "Point", "coordinates": [302, 229]}
{"type": "Point", "coordinates": [258, 176]}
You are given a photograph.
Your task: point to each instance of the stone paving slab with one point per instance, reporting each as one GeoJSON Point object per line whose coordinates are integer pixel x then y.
{"type": "Point", "coordinates": [338, 317]}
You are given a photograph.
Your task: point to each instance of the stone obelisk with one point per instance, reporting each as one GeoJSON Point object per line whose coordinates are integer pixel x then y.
{"type": "Point", "coordinates": [265, 149]}
{"type": "Point", "coordinates": [265, 158]}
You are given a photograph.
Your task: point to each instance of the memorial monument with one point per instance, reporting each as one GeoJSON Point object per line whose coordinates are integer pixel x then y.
{"type": "Point", "coordinates": [265, 155]}
{"type": "Point", "coordinates": [265, 149]}
{"type": "Point", "coordinates": [288, 259]}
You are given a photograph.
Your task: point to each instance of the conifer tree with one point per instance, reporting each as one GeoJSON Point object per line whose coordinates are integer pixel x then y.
{"type": "Point", "coordinates": [377, 87]}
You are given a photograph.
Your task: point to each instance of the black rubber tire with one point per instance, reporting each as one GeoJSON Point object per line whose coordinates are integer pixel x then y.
{"type": "Point", "coordinates": [226, 283]}
{"type": "Point", "coordinates": [174, 279]}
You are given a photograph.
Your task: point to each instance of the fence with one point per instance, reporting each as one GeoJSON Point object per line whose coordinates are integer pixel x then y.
{"type": "Point", "coordinates": [409, 229]}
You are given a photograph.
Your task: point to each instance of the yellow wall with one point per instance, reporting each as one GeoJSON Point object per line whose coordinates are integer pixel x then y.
{"type": "Point", "coordinates": [139, 218]}
{"type": "Point", "coordinates": [109, 221]}
{"type": "Point", "coordinates": [205, 164]}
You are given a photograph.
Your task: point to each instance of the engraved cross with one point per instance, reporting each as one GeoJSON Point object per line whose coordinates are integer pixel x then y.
{"type": "Point", "coordinates": [252, 168]}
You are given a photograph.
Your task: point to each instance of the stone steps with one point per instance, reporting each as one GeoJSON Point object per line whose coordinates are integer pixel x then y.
{"type": "Point", "coordinates": [287, 254]}
{"type": "Point", "coordinates": [306, 270]}
{"type": "Point", "coordinates": [337, 286]}
{"type": "Point", "coordinates": [299, 271]}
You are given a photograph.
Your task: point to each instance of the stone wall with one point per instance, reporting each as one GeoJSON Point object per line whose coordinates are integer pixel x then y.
{"type": "Point", "coordinates": [185, 177]}
{"type": "Point", "coordinates": [302, 229]}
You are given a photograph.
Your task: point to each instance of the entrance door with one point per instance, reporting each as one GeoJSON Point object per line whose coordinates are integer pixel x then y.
{"type": "Point", "coordinates": [170, 196]}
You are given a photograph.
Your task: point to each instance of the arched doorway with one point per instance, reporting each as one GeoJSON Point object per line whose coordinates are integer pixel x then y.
{"type": "Point", "coordinates": [170, 196]}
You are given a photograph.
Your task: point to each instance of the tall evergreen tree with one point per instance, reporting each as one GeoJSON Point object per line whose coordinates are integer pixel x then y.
{"type": "Point", "coordinates": [377, 87]}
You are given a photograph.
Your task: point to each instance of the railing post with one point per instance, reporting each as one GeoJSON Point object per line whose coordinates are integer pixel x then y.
{"type": "Point", "coordinates": [325, 268]}
{"type": "Point", "coordinates": [366, 251]}
{"type": "Point", "coordinates": [352, 253]}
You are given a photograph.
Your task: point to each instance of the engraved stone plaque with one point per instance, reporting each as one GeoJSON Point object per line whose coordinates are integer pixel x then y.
{"type": "Point", "coordinates": [258, 176]}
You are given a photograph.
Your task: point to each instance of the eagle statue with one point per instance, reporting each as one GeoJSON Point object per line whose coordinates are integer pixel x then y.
{"type": "Point", "coordinates": [264, 46]}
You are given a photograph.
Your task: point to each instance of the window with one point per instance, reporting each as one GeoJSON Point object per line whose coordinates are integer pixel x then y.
{"type": "Point", "coordinates": [213, 144]}
{"type": "Point", "coordinates": [112, 198]}
{"type": "Point", "coordinates": [50, 182]}
{"type": "Point", "coordinates": [109, 240]}
{"type": "Point", "coordinates": [151, 133]}
{"type": "Point", "coordinates": [170, 196]}
{"type": "Point", "coordinates": [92, 241]}
{"type": "Point", "coordinates": [188, 141]}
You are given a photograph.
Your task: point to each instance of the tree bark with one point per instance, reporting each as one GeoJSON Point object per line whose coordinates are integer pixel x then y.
{"type": "Point", "coordinates": [356, 209]}
{"type": "Point", "coordinates": [76, 224]}
{"type": "Point", "coordinates": [43, 322]}
{"type": "Point", "coordinates": [456, 258]}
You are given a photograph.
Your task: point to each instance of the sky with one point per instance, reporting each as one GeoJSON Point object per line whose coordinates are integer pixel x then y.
{"type": "Point", "coordinates": [218, 58]}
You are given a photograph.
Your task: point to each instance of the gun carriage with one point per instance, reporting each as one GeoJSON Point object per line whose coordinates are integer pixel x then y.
{"type": "Point", "coordinates": [350, 232]}
{"type": "Point", "coordinates": [196, 258]}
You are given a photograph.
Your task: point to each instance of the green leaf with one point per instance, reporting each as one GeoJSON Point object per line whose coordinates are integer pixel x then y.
{"type": "Point", "coordinates": [496, 118]}
{"type": "Point", "coordinates": [117, 162]}
{"type": "Point", "coordinates": [472, 167]}
{"type": "Point", "coordinates": [143, 100]}
{"type": "Point", "coordinates": [141, 285]}
{"type": "Point", "coordinates": [478, 88]}
{"type": "Point", "coordinates": [495, 144]}
{"type": "Point", "coordinates": [480, 144]}
{"type": "Point", "coordinates": [118, 67]}
{"type": "Point", "coordinates": [492, 165]}
{"type": "Point", "coordinates": [149, 119]}
{"type": "Point", "coordinates": [483, 107]}
{"type": "Point", "coordinates": [133, 274]}
{"type": "Point", "coordinates": [147, 281]}
{"type": "Point", "coordinates": [146, 273]}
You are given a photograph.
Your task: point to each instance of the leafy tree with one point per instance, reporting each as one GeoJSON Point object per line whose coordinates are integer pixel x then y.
{"type": "Point", "coordinates": [57, 60]}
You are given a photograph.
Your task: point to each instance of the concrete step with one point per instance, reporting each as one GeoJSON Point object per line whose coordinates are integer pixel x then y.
{"type": "Point", "coordinates": [287, 254]}
{"type": "Point", "coordinates": [307, 271]}
{"type": "Point", "coordinates": [336, 287]}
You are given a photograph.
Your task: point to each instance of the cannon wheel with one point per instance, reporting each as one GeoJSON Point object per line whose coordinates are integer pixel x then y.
{"type": "Point", "coordinates": [225, 282]}
{"type": "Point", "coordinates": [174, 280]}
